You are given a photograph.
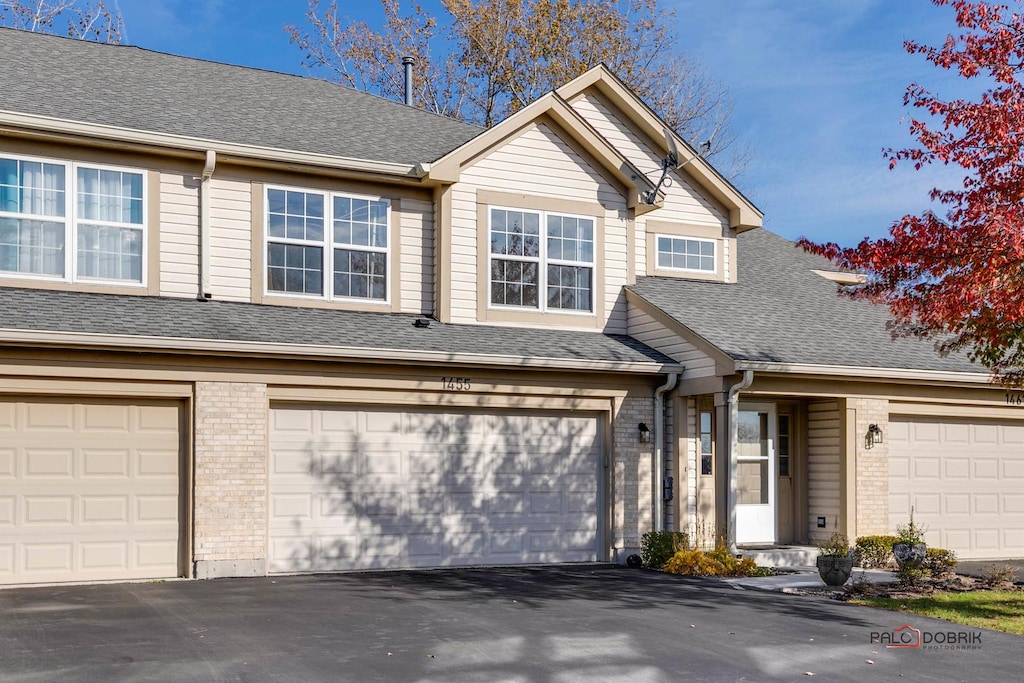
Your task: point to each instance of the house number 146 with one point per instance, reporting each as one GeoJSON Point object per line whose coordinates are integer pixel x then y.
{"type": "Point", "coordinates": [456, 383]}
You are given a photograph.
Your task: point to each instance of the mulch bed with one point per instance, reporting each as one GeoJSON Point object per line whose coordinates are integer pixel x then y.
{"type": "Point", "coordinates": [948, 583]}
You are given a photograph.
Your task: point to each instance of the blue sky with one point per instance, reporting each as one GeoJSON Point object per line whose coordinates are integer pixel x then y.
{"type": "Point", "coordinates": [817, 87]}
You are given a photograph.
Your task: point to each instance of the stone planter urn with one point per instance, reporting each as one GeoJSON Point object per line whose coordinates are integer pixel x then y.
{"type": "Point", "coordinates": [909, 554]}
{"type": "Point", "coordinates": [835, 570]}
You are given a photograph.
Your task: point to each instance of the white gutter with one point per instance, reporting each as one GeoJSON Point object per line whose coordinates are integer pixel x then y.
{"type": "Point", "coordinates": [734, 437]}
{"type": "Point", "coordinates": [204, 225]}
{"type": "Point", "coordinates": [659, 452]}
{"type": "Point", "coordinates": [47, 124]}
{"type": "Point", "coordinates": [866, 372]}
{"type": "Point", "coordinates": [38, 338]}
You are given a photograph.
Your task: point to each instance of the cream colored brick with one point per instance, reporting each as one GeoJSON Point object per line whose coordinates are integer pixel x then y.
{"type": "Point", "coordinates": [230, 471]}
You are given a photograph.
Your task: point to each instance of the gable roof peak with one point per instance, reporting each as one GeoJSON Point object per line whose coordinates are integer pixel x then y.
{"type": "Point", "coordinates": [743, 214]}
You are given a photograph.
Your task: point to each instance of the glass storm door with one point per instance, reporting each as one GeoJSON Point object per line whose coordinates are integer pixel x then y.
{"type": "Point", "coordinates": [755, 474]}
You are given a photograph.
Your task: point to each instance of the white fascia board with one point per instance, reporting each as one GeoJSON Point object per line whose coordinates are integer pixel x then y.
{"type": "Point", "coordinates": [46, 124]}
{"type": "Point", "coordinates": [240, 348]}
{"type": "Point", "coordinates": [847, 371]}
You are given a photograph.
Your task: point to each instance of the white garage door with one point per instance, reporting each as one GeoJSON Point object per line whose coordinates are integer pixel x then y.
{"type": "Point", "coordinates": [965, 481]}
{"type": "Point", "coordinates": [368, 489]}
{"type": "Point", "coordinates": [89, 490]}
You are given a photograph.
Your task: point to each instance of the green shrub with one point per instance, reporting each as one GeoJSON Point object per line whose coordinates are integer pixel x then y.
{"type": "Point", "coordinates": [875, 552]}
{"type": "Point", "coordinates": [940, 561]}
{"type": "Point", "coordinates": [910, 573]}
{"type": "Point", "coordinates": [999, 574]}
{"type": "Point", "coordinates": [910, 533]}
{"type": "Point", "coordinates": [656, 547]}
{"type": "Point", "coordinates": [836, 546]}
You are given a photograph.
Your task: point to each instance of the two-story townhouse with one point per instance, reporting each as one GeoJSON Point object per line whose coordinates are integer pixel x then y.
{"type": "Point", "coordinates": [255, 323]}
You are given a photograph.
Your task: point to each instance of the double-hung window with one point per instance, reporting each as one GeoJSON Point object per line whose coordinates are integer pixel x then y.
{"type": "Point", "coordinates": [92, 231]}
{"type": "Point", "coordinates": [541, 260]}
{"type": "Point", "coordinates": [326, 245]}
{"type": "Point", "coordinates": [686, 253]}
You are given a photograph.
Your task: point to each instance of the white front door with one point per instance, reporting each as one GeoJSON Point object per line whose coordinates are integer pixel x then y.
{"type": "Point", "coordinates": [755, 474]}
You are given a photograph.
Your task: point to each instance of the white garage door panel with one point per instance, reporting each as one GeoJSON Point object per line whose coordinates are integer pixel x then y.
{"type": "Point", "coordinates": [88, 490]}
{"type": "Point", "coordinates": [366, 489]}
{"type": "Point", "coordinates": [964, 480]}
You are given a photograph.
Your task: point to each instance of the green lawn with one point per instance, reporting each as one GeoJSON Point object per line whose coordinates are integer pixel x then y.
{"type": "Point", "coordinates": [999, 610]}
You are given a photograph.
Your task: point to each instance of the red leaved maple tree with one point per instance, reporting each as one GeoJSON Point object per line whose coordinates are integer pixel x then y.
{"type": "Point", "coordinates": [959, 277]}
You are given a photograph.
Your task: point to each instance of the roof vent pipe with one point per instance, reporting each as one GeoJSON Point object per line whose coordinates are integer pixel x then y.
{"type": "Point", "coordinates": [407, 62]}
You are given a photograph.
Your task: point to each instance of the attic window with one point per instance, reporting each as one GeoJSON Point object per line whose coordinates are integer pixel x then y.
{"type": "Point", "coordinates": [686, 253]}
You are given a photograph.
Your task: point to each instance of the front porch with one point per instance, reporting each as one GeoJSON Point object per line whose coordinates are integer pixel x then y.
{"type": "Point", "coordinates": [777, 473]}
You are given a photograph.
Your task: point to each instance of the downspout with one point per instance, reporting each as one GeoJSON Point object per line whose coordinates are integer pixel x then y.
{"type": "Point", "coordinates": [204, 225]}
{"type": "Point", "coordinates": [659, 452]}
{"type": "Point", "coordinates": [734, 437]}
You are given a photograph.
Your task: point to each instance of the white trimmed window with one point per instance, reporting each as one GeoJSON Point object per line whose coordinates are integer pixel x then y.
{"type": "Point", "coordinates": [549, 271]}
{"type": "Point", "coordinates": [95, 232]}
{"type": "Point", "coordinates": [686, 253]}
{"type": "Point", "coordinates": [325, 245]}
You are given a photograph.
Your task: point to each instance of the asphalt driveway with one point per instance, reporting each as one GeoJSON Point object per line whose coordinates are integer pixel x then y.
{"type": "Point", "coordinates": [582, 623]}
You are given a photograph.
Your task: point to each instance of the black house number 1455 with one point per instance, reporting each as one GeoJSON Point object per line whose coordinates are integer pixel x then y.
{"type": "Point", "coordinates": [456, 383]}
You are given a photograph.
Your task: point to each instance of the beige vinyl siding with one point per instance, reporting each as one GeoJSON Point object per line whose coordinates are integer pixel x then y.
{"type": "Point", "coordinates": [179, 235]}
{"type": "Point", "coordinates": [417, 256]}
{"type": "Point", "coordinates": [230, 239]}
{"type": "Point", "coordinates": [823, 445]}
{"type": "Point", "coordinates": [616, 272]}
{"type": "Point", "coordinates": [646, 329]}
{"type": "Point", "coordinates": [682, 202]}
{"type": "Point", "coordinates": [539, 163]}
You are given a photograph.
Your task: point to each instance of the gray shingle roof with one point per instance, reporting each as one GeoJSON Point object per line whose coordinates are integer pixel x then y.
{"type": "Point", "coordinates": [36, 309]}
{"type": "Point", "coordinates": [149, 91]}
{"type": "Point", "coordinates": [780, 311]}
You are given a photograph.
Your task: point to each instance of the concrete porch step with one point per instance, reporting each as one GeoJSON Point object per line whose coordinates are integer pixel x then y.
{"type": "Point", "coordinates": [781, 555]}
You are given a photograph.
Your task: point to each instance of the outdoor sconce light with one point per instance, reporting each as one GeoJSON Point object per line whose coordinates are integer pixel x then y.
{"type": "Point", "coordinates": [645, 433]}
{"type": "Point", "coordinates": [873, 437]}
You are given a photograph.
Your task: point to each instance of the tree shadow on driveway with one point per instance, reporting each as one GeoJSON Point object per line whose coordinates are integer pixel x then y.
{"type": "Point", "coordinates": [613, 586]}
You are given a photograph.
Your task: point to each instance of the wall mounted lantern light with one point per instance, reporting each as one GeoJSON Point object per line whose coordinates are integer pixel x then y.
{"type": "Point", "coordinates": [645, 433]}
{"type": "Point", "coordinates": [874, 436]}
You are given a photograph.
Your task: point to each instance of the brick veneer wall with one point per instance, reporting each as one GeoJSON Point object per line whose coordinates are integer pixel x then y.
{"type": "Point", "coordinates": [872, 467]}
{"type": "Point", "coordinates": [230, 498]}
{"type": "Point", "coordinates": [632, 508]}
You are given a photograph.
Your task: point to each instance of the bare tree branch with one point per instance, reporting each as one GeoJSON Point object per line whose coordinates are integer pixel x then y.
{"type": "Point", "coordinates": [482, 60]}
{"type": "Point", "coordinates": [81, 20]}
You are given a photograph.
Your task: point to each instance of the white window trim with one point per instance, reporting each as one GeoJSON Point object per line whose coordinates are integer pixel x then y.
{"type": "Point", "coordinates": [328, 246]}
{"type": "Point", "coordinates": [543, 262]}
{"type": "Point", "coordinates": [70, 219]}
{"type": "Point", "coordinates": [658, 252]}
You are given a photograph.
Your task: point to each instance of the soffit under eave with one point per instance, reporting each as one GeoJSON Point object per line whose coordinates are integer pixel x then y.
{"type": "Point", "coordinates": [549, 109]}
{"type": "Point", "coordinates": [743, 215]}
